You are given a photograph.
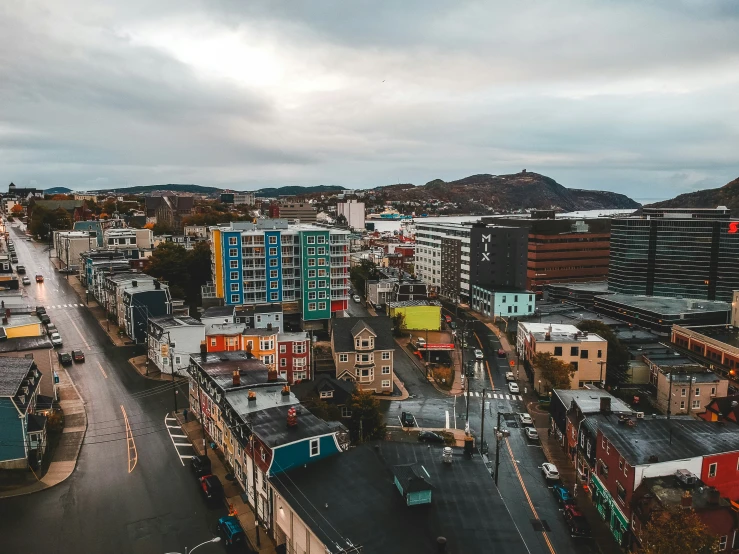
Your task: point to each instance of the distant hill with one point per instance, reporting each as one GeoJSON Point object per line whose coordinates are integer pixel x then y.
{"type": "Point", "coordinates": [728, 196]}
{"type": "Point", "coordinates": [144, 189]}
{"type": "Point", "coordinates": [511, 192]}
{"type": "Point", "coordinates": [58, 190]}
{"type": "Point", "coordinates": [295, 190]}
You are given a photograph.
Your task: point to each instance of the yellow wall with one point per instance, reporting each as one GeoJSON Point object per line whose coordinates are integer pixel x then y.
{"type": "Point", "coordinates": [218, 258]}
{"type": "Point", "coordinates": [419, 318]}
{"type": "Point", "coordinates": [30, 330]}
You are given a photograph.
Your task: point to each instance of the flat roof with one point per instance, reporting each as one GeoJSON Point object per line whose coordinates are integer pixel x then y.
{"type": "Point", "coordinates": [559, 333]}
{"type": "Point", "coordinates": [218, 311]}
{"type": "Point", "coordinates": [721, 333]}
{"type": "Point", "coordinates": [676, 438]}
{"type": "Point", "coordinates": [220, 366]}
{"type": "Point", "coordinates": [666, 305]}
{"type": "Point", "coordinates": [292, 337]}
{"type": "Point", "coordinates": [358, 486]}
{"type": "Point", "coordinates": [592, 286]}
{"type": "Point", "coordinates": [588, 400]}
{"type": "Point", "coordinates": [270, 424]}
{"type": "Point", "coordinates": [172, 321]}
{"type": "Point", "coordinates": [266, 397]}
{"type": "Point", "coordinates": [412, 303]}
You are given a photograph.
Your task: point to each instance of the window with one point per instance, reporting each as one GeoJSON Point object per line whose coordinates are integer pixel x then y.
{"type": "Point", "coordinates": [682, 404]}
{"type": "Point", "coordinates": [274, 285]}
{"type": "Point", "coordinates": [322, 284]}
{"type": "Point", "coordinates": [343, 357]}
{"type": "Point", "coordinates": [600, 353]}
{"type": "Point", "coordinates": [574, 366]}
{"type": "Point", "coordinates": [722, 542]}
{"type": "Point", "coordinates": [234, 287]}
{"type": "Point", "coordinates": [273, 274]}
{"type": "Point", "coordinates": [311, 306]}
{"type": "Point", "coordinates": [557, 350]}
{"type": "Point", "coordinates": [273, 240]}
{"type": "Point", "coordinates": [234, 275]}
{"type": "Point", "coordinates": [283, 349]}
{"type": "Point", "coordinates": [311, 262]}
{"type": "Point", "coordinates": [315, 448]}
{"type": "Point", "coordinates": [321, 240]}
{"type": "Point", "coordinates": [386, 370]}
{"type": "Point", "coordinates": [310, 240]}
{"type": "Point", "coordinates": [311, 296]}
{"type": "Point", "coordinates": [321, 305]}
{"type": "Point", "coordinates": [684, 392]}
{"type": "Point", "coordinates": [213, 342]}
{"type": "Point", "coordinates": [574, 350]}
{"type": "Point", "coordinates": [259, 319]}
{"type": "Point", "coordinates": [346, 412]}
{"type": "Point", "coordinates": [311, 284]}
{"type": "Point", "coordinates": [232, 241]}
{"type": "Point", "coordinates": [321, 272]}
{"type": "Point", "coordinates": [273, 262]}
{"type": "Point", "coordinates": [621, 492]}
{"type": "Point", "coordinates": [234, 298]}
{"type": "Point", "coordinates": [327, 394]}
{"type": "Point", "coordinates": [696, 405]}
{"type": "Point", "coordinates": [386, 355]}
{"type": "Point", "coordinates": [583, 354]}
{"type": "Point", "coordinates": [712, 471]}
{"type": "Point", "coordinates": [283, 362]}
{"type": "Point", "coordinates": [311, 251]}
{"type": "Point", "coordinates": [177, 360]}
{"type": "Point", "coordinates": [233, 264]}
{"type": "Point", "coordinates": [311, 273]}
{"type": "Point", "coordinates": [620, 464]}
{"type": "Point", "coordinates": [697, 391]}
{"type": "Point", "coordinates": [233, 252]}
{"type": "Point", "coordinates": [713, 391]}
{"type": "Point", "coordinates": [321, 261]}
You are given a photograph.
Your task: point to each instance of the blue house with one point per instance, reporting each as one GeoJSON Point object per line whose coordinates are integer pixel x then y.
{"type": "Point", "coordinates": [411, 482]}
{"type": "Point", "coordinates": [22, 431]}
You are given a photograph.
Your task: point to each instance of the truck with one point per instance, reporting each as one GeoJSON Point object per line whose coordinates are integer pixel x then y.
{"type": "Point", "coordinates": [446, 455]}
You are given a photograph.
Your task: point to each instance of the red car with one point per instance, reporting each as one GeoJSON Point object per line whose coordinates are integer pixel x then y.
{"type": "Point", "coordinates": [577, 523]}
{"type": "Point", "coordinates": [39, 278]}
{"type": "Point", "coordinates": [501, 353]}
{"type": "Point", "coordinates": [448, 318]}
{"type": "Point", "coordinates": [212, 487]}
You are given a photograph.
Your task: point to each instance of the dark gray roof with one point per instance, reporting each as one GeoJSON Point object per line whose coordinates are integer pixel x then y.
{"type": "Point", "coordinates": [381, 326]}
{"type": "Point", "coordinates": [588, 400]}
{"type": "Point", "coordinates": [699, 377]}
{"type": "Point", "coordinates": [12, 372]}
{"type": "Point", "coordinates": [36, 422]}
{"type": "Point", "coordinates": [25, 343]}
{"type": "Point", "coordinates": [172, 321]}
{"type": "Point", "coordinates": [218, 311]}
{"type": "Point", "coordinates": [270, 425]}
{"type": "Point", "coordinates": [324, 382]}
{"type": "Point", "coordinates": [221, 365]}
{"type": "Point", "coordinates": [358, 486]}
{"type": "Point", "coordinates": [411, 478]}
{"type": "Point", "coordinates": [360, 326]}
{"type": "Point", "coordinates": [667, 439]}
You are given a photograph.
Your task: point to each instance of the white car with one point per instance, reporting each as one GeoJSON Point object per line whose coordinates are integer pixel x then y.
{"type": "Point", "coordinates": [525, 419]}
{"type": "Point", "coordinates": [509, 376]}
{"type": "Point", "coordinates": [513, 387]}
{"type": "Point", "coordinates": [531, 433]}
{"type": "Point", "coordinates": [26, 281]}
{"type": "Point", "coordinates": [550, 472]}
{"type": "Point", "coordinates": [56, 339]}
{"type": "Point", "coordinates": [357, 298]}
{"type": "Point", "coordinates": [478, 354]}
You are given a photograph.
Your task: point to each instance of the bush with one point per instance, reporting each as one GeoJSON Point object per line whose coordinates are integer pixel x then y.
{"type": "Point", "coordinates": [444, 376]}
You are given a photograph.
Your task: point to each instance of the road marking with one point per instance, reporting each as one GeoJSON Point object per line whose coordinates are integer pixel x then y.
{"type": "Point", "coordinates": [102, 370]}
{"type": "Point", "coordinates": [526, 493]}
{"type": "Point", "coordinates": [447, 420]}
{"type": "Point", "coordinates": [132, 458]}
{"type": "Point", "coordinates": [185, 456]}
{"type": "Point", "coordinates": [79, 333]}
{"type": "Point", "coordinates": [178, 444]}
{"type": "Point", "coordinates": [179, 436]}
{"type": "Point", "coordinates": [166, 418]}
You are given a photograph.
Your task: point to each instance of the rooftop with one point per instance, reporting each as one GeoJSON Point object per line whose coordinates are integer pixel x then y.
{"type": "Point", "coordinates": [411, 303]}
{"type": "Point", "coordinates": [12, 373]}
{"type": "Point", "coordinates": [667, 306]}
{"type": "Point", "coordinates": [165, 321]}
{"type": "Point", "coordinates": [559, 333]}
{"type": "Point", "coordinates": [358, 486]}
{"type": "Point", "coordinates": [695, 377]}
{"type": "Point", "coordinates": [592, 286]}
{"type": "Point", "coordinates": [588, 400]}
{"type": "Point", "coordinates": [292, 337]}
{"type": "Point", "coordinates": [270, 425]}
{"type": "Point", "coordinates": [722, 333]}
{"type": "Point", "coordinates": [238, 329]}
{"type": "Point", "coordinates": [218, 311]}
{"type": "Point", "coordinates": [221, 365]}
{"type": "Point", "coordinates": [343, 329]}
{"type": "Point", "coordinates": [266, 397]}
{"type": "Point", "coordinates": [275, 307]}
{"type": "Point", "coordinates": [662, 439]}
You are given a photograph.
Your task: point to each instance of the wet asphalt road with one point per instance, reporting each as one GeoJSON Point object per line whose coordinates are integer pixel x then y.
{"type": "Point", "coordinates": [102, 507]}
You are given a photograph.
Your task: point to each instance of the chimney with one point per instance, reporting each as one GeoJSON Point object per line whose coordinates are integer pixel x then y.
{"type": "Point", "coordinates": [272, 375]}
{"type": "Point", "coordinates": [157, 285]}
{"type": "Point", "coordinates": [269, 326]}
{"type": "Point", "coordinates": [686, 501]}
{"type": "Point", "coordinates": [440, 545]}
{"type": "Point", "coordinates": [134, 283]}
{"type": "Point", "coordinates": [605, 404]}
{"type": "Point", "coordinates": [292, 417]}
{"type": "Point", "coordinates": [236, 378]}
{"type": "Point", "coordinates": [252, 397]}
{"type": "Point", "coordinates": [286, 391]}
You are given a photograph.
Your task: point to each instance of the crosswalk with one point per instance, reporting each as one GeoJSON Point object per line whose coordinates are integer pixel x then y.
{"type": "Point", "coordinates": [494, 395]}
{"type": "Point", "coordinates": [62, 306]}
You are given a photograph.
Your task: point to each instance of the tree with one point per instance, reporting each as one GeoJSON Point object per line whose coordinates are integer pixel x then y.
{"type": "Point", "coordinates": [366, 422]}
{"type": "Point", "coordinates": [169, 263]}
{"type": "Point", "coordinates": [677, 530]}
{"type": "Point", "coordinates": [617, 352]}
{"type": "Point", "coordinates": [162, 229]}
{"type": "Point", "coordinates": [556, 372]}
{"type": "Point", "coordinates": [361, 273]}
{"type": "Point", "coordinates": [198, 263]}
{"type": "Point", "coordinates": [398, 324]}
{"type": "Point", "coordinates": [321, 408]}
{"type": "Point", "coordinates": [17, 209]}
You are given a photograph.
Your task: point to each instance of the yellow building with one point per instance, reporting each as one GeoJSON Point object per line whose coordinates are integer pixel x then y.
{"type": "Point", "coordinates": [418, 315]}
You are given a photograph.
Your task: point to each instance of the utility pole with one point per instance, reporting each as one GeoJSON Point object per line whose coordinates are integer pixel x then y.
{"type": "Point", "coordinates": [497, 449]}
{"type": "Point", "coordinates": [669, 398]}
{"type": "Point", "coordinates": [483, 450]}
{"type": "Point", "coordinates": [254, 485]}
{"type": "Point", "coordinates": [601, 363]}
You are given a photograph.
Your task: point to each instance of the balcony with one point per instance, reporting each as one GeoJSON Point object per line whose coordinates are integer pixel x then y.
{"type": "Point", "coordinates": [208, 290]}
{"type": "Point", "coordinates": [340, 295]}
{"type": "Point", "coordinates": [339, 239]}
{"type": "Point", "coordinates": [339, 261]}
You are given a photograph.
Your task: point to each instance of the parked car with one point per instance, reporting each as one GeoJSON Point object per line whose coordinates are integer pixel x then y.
{"type": "Point", "coordinates": [513, 387]}
{"type": "Point", "coordinates": [200, 465]}
{"type": "Point", "coordinates": [26, 280]}
{"type": "Point", "coordinates": [39, 278]}
{"type": "Point", "coordinates": [40, 310]}
{"type": "Point", "coordinates": [51, 329]}
{"type": "Point", "coordinates": [21, 269]}
{"type": "Point", "coordinates": [357, 298]}
{"type": "Point", "coordinates": [45, 319]}
{"type": "Point", "coordinates": [230, 528]}
{"type": "Point", "coordinates": [550, 472]}
{"type": "Point", "coordinates": [64, 358]}
{"type": "Point", "coordinates": [509, 376]}
{"type": "Point", "coordinates": [447, 319]}
{"type": "Point", "coordinates": [420, 343]}
{"type": "Point", "coordinates": [78, 356]}
{"type": "Point", "coordinates": [478, 354]}
{"type": "Point", "coordinates": [525, 419]}
{"type": "Point", "coordinates": [470, 369]}
{"type": "Point", "coordinates": [501, 353]}
{"type": "Point", "coordinates": [428, 436]}
{"type": "Point", "coordinates": [212, 487]}
{"type": "Point", "coordinates": [56, 340]}
{"type": "Point", "coordinates": [407, 419]}
{"type": "Point", "coordinates": [531, 433]}
{"type": "Point", "coordinates": [562, 495]}
{"type": "Point", "coordinates": [579, 526]}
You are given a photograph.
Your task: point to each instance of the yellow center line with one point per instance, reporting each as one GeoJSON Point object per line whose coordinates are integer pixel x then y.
{"type": "Point", "coordinates": [102, 370]}
{"type": "Point", "coordinates": [526, 494]}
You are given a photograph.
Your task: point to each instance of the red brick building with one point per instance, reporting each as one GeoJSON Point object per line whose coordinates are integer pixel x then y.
{"type": "Point", "coordinates": [293, 357]}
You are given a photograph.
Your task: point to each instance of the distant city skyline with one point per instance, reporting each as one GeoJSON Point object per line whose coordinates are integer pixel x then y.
{"type": "Point", "coordinates": [625, 96]}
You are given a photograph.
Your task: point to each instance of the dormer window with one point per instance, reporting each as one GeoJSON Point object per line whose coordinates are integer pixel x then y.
{"type": "Point", "coordinates": [327, 394]}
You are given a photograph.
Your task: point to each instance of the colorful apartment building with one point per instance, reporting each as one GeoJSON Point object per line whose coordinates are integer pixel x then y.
{"type": "Point", "coordinates": [303, 266]}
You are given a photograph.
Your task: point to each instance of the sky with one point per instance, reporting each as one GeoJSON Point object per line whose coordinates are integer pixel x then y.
{"type": "Point", "coordinates": [638, 97]}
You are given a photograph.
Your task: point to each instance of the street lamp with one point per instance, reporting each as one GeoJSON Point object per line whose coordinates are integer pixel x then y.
{"type": "Point", "coordinates": [214, 539]}
{"type": "Point", "coordinates": [539, 387]}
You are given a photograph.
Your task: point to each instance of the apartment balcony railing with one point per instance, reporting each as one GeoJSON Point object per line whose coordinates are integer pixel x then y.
{"type": "Point", "coordinates": [208, 290]}
{"type": "Point", "coordinates": [339, 239]}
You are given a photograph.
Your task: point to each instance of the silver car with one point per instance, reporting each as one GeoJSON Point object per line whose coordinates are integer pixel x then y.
{"type": "Point", "coordinates": [56, 339]}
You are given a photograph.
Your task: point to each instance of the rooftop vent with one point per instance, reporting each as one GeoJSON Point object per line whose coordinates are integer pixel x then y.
{"type": "Point", "coordinates": [252, 397]}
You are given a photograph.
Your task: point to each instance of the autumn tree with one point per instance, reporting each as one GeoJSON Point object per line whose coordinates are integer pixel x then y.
{"type": "Point", "coordinates": [553, 370]}
{"type": "Point", "coordinates": [617, 353]}
{"type": "Point", "coordinates": [17, 209]}
{"type": "Point", "coordinates": [677, 530]}
{"type": "Point", "coordinates": [366, 422]}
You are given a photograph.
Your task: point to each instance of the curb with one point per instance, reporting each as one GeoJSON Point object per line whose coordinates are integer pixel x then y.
{"type": "Point", "coordinates": [404, 348]}
{"type": "Point", "coordinates": [159, 379]}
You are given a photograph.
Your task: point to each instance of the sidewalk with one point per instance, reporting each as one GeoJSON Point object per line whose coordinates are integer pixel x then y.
{"type": "Point", "coordinates": [234, 493]}
{"type": "Point", "coordinates": [401, 387]}
{"type": "Point", "coordinates": [151, 371]}
{"type": "Point", "coordinates": [67, 452]}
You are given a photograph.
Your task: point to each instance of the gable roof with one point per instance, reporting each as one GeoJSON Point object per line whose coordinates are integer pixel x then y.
{"type": "Point", "coordinates": [12, 373]}
{"type": "Point", "coordinates": [726, 406]}
{"type": "Point", "coordinates": [360, 326]}
{"type": "Point", "coordinates": [69, 205]}
{"type": "Point", "coordinates": [343, 332]}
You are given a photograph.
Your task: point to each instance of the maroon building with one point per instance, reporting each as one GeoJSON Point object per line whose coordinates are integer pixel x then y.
{"type": "Point", "coordinates": [293, 357]}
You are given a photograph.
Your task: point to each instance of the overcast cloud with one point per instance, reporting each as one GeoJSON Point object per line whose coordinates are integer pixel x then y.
{"type": "Point", "coordinates": [639, 97]}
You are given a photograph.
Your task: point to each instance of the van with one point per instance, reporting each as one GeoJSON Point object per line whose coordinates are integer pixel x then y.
{"type": "Point", "coordinates": [231, 530]}
{"type": "Point", "coordinates": [686, 478]}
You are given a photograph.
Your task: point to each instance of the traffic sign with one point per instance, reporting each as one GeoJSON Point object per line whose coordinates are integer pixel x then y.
{"type": "Point", "coordinates": [512, 363]}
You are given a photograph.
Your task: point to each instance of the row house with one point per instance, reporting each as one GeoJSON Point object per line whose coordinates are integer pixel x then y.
{"type": "Point", "coordinates": [249, 412]}
{"type": "Point", "coordinates": [363, 351]}
{"type": "Point", "coordinates": [623, 450]}
{"type": "Point", "coordinates": [717, 346]}
{"type": "Point", "coordinates": [256, 316]}
{"type": "Point", "coordinates": [131, 298]}
{"type": "Point", "coordinates": [171, 339]}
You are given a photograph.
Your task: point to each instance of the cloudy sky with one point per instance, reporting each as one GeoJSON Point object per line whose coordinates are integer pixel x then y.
{"type": "Point", "coordinates": [639, 97]}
